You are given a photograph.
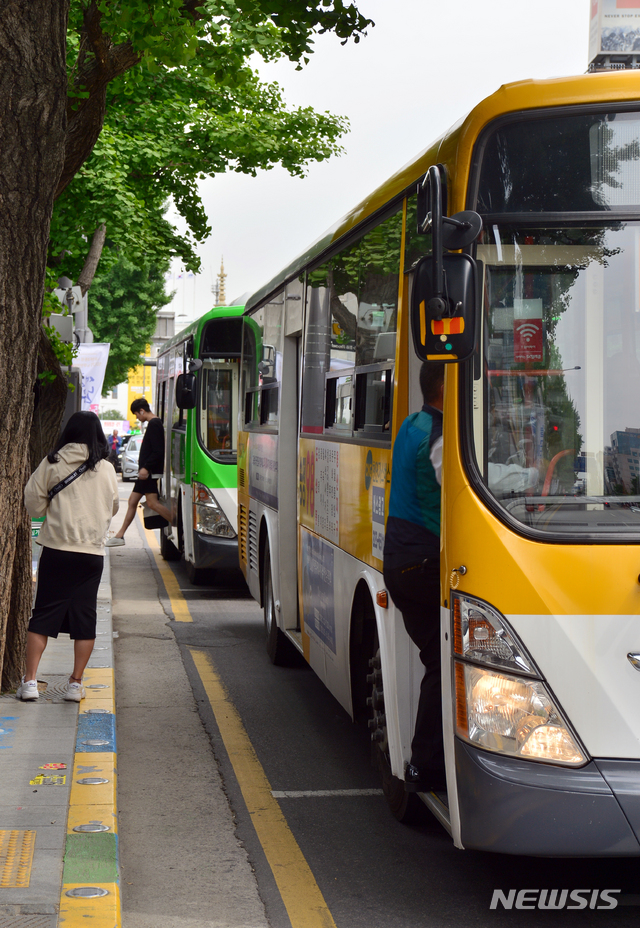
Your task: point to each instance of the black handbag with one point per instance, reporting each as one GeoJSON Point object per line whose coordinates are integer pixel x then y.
{"type": "Point", "coordinates": [152, 519]}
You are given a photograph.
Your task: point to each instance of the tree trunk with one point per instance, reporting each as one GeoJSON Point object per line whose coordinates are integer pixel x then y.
{"type": "Point", "coordinates": [19, 607]}
{"type": "Point", "coordinates": [32, 141]}
{"type": "Point", "coordinates": [49, 403]}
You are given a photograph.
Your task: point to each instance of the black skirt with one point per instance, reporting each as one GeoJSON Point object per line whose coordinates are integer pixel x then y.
{"type": "Point", "coordinates": [67, 594]}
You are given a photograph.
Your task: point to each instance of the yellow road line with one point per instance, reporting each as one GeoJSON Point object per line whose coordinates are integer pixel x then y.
{"type": "Point", "coordinates": [178, 603]}
{"type": "Point", "coordinates": [300, 893]}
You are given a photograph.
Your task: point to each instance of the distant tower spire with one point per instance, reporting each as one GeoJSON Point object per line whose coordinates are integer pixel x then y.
{"type": "Point", "coordinates": [222, 298]}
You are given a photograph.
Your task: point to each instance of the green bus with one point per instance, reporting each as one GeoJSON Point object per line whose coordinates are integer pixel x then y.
{"type": "Point", "coordinates": [197, 390]}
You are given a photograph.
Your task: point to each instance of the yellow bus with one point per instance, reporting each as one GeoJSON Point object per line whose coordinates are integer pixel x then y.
{"type": "Point", "coordinates": [536, 308]}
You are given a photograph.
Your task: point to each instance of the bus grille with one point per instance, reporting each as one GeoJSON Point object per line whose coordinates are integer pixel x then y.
{"type": "Point", "coordinates": [242, 532]}
{"type": "Point", "coordinates": [253, 542]}
{"type": "Point", "coordinates": [241, 477]}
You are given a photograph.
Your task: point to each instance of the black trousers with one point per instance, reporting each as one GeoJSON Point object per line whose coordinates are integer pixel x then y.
{"type": "Point", "coordinates": [415, 591]}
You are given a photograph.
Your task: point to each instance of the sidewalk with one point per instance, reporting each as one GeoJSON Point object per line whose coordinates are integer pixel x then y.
{"type": "Point", "coordinates": [58, 826]}
{"type": "Point", "coordinates": [183, 864]}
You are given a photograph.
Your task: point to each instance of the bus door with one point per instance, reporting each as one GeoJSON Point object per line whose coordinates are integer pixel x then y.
{"type": "Point", "coordinates": [176, 433]}
{"type": "Point", "coordinates": [288, 454]}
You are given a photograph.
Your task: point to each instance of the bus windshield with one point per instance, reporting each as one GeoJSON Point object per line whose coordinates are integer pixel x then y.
{"type": "Point", "coordinates": [557, 395]}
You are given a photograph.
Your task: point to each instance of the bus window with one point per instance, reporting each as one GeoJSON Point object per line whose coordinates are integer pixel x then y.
{"type": "Point", "coordinates": [416, 244]}
{"type": "Point", "coordinates": [586, 163]}
{"type": "Point", "coordinates": [373, 401]}
{"type": "Point", "coordinates": [338, 403]}
{"type": "Point", "coordinates": [269, 406]}
{"type": "Point", "coordinates": [351, 323]}
{"type": "Point", "coordinates": [562, 376]}
{"type": "Point", "coordinates": [251, 345]}
{"type": "Point", "coordinates": [378, 292]}
{"type": "Point", "coordinates": [262, 363]}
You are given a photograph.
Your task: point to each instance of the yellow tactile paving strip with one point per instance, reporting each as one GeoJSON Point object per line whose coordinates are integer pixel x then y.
{"type": "Point", "coordinates": [16, 858]}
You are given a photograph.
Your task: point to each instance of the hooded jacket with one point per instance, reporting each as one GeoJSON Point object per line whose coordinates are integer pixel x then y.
{"type": "Point", "coordinates": [77, 518]}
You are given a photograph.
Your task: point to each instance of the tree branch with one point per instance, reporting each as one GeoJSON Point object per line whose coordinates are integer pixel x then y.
{"type": "Point", "coordinates": [85, 115]}
{"type": "Point", "coordinates": [88, 272]}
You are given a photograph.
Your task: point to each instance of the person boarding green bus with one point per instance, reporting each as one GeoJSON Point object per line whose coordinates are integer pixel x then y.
{"type": "Point", "coordinates": [150, 463]}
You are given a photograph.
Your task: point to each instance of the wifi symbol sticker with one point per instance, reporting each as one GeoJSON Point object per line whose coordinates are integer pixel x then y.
{"type": "Point", "coordinates": [527, 330]}
{"type": "Point", "coordinates": [527, 340]}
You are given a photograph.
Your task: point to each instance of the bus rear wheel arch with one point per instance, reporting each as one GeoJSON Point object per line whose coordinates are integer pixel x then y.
{"type": "Point", "coordinates": [367, 688]}
{"type": "Point", "coordinates": [405, 807]}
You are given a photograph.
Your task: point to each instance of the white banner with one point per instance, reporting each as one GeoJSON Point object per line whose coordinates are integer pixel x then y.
{"type": "Point", "coordinates": [92, 361]}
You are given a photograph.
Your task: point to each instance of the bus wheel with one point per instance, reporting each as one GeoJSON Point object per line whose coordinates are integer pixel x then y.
{"type": "Point", "coordinates": [167, 548]}
{"type": "Point", "coordinates": [405, 807]}
{"type": "Point", "coordinates": [280, 650]}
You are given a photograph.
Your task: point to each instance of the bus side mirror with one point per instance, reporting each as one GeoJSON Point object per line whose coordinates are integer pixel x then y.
{"type": "Point", "coordinates": [443, 303]}
{"type": "Point", "coordinates": [444, 326]}
{"type": "Point", "coordinates": [186, 393]}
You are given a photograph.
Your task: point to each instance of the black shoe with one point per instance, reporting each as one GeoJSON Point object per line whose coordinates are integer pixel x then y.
{"type": "Point", "coordinates": [417, 782]}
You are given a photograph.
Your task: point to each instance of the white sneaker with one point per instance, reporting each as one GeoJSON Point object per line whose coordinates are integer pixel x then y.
{"type": "Point", "coordinates": [28, 689]}
{"type": "Point", "coordinates": [74, 692]}
{"type": "Point", "coordinates": [114, 542]}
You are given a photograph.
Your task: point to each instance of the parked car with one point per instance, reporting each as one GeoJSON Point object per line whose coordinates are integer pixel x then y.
{"type": "Point", "coordinates": [129, 459]}
{"type": "Point", "coordinates": [123, 447]}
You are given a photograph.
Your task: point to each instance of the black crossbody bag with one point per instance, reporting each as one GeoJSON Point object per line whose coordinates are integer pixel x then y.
{"type": "Point", "coordinates": [67, 480]}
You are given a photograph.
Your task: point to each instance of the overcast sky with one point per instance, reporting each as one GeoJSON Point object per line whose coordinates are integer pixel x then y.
{"type": "Point", "coordinates": [424, 65]}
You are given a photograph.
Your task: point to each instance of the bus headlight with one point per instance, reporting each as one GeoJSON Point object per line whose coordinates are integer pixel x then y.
{"type": "Point", "coordinates": [208, 517]}
{"type": "Point", "coordinates": [501, 702]}
{"type": "Point", "coordinates": [512, 715]}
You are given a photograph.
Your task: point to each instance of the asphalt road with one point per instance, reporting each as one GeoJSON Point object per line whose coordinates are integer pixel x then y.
{"type": "Point", "coordinates": [372, 871]}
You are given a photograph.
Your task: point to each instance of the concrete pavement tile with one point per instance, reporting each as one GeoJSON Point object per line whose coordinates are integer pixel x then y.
{"type": "Point", "coordinates": [13, 817]}
{"type": "Point", "coordinates": [22, 794]}
{"type": "Point", "coordinates": [54, 742]}
{"type": "Point", "coordinates": [50, 837]}
{"type": "Point", "coordinates": [32, 761]}
{"type": "Point", "coordinates": [40, 715]}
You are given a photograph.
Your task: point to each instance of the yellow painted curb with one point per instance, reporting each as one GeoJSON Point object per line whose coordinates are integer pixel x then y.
{"type": "Point", "coordinates": [102, 912]}
{"type": "Point", "coordinates": [93, 766]}
{"type": "Point", "coordinates": [85, 812]}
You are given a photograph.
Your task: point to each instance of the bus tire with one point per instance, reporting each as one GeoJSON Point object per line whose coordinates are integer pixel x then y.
{"type": "Point", "coordinates": [405, 807]}
{"type": "Point", "coordinates": [280, 650]}
{"type": "Point", "coordinates": [167, 548]}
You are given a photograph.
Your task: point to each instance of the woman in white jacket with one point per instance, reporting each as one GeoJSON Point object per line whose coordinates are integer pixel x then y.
{"type": "Point", "coordinates": [75, 487]}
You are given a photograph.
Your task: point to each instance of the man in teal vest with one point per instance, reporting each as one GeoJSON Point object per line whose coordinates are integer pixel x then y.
{"type": "Point", "coordinates": [412, 566]}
